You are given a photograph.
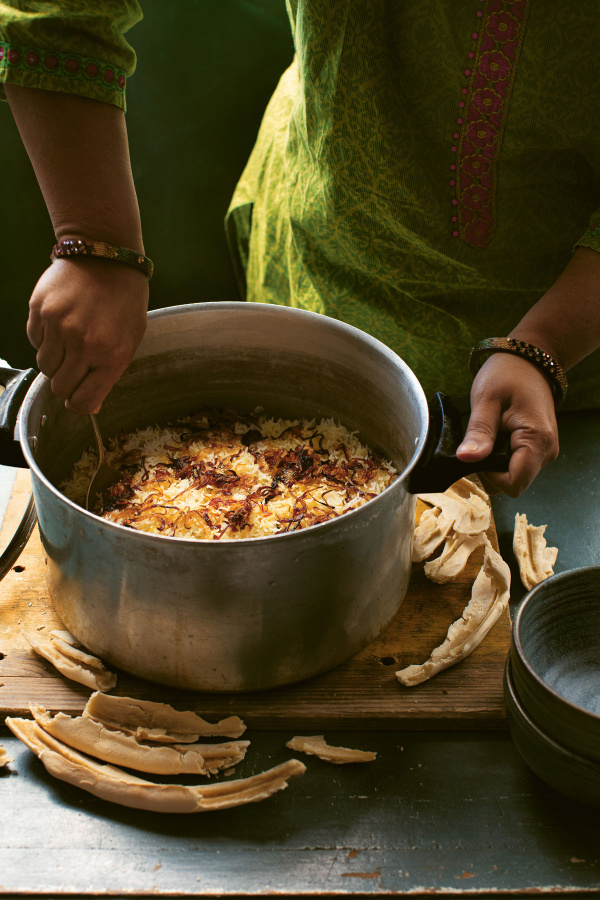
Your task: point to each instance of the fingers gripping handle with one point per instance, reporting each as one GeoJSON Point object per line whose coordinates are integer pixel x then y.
{"type": "Point", "coordinates": [439, 466]}
{"type": "Point", "coordinates": [15, 384]}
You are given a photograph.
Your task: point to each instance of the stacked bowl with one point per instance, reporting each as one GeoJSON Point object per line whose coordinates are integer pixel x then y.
{"type": "Point", "coordinates": [552, 682]}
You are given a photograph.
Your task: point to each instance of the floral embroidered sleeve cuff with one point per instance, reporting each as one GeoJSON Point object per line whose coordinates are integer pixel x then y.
{"type": "Point", "coordinates": [79, 50]}
{"type": "Point", "coordinates": [591, 237]}
{"type": "Point", "coordinates": [72, 73]}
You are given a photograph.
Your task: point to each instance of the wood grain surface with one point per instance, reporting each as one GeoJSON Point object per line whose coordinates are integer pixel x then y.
{"type": "Point", "coordinates": [361, 693]}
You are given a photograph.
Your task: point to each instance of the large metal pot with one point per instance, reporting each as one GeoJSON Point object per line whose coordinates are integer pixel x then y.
{"type": "Point", "coordinates": [244, 614]}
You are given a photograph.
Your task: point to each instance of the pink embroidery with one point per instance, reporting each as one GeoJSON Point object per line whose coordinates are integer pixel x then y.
{"type": "Point", "coordinates": [485, 102]}
{"type": "Point", "coordinates": [62, 65]}
{"type": "Point", "coordinates": [482, 133]}
{"type": "Point", "coordinates": [502, 26]}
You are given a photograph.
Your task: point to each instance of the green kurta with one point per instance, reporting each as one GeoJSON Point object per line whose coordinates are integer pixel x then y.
{"type": "Point", "coordinates": [71, 46]}
{"type": "Point", "coordinates": [424, 170]}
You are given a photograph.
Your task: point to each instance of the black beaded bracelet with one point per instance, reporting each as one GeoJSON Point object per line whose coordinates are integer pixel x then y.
{"type": "Point", "coordinates": [71, 249]}
{"type": "Point", "coordinates": [546, 363]}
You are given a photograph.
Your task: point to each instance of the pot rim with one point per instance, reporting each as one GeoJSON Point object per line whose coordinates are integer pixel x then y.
{"type": "Point", "coordinates": [267, 309]}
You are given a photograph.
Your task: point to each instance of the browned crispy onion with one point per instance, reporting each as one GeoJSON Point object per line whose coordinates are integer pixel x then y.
{"type": "Point", "coordinates": [204, 453]}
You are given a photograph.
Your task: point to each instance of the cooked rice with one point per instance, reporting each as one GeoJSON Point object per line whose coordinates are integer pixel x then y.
{"type": "Point", "coordinates": [222, 475]}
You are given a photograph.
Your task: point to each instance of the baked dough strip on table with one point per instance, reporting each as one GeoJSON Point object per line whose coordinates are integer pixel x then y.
{"type": "Point", "coordinates": [457, 517]}
{"type": "Point", "coordinates": [117, 786]}
{"type": "Point", "coordinates": [452, 561]}
{"type": "Point", "coordinates": [432, 530]}
{"type": "Point", "coordinates": [489, 598]}
{"type": "Point", "coordinates": [92, 737]}
{"type": "Point", "coordinates": [316, 746]}
{"type": "Point", "coordinates": [149, 720]}
{"type": "Point", "coordinates": [465, 503]}
{"type": "Point", "coordinates": [72, 662]}
{"type": "Point", "coordinates": [5, 759]}
{"type": "Point", "coordinates": [536, 560]}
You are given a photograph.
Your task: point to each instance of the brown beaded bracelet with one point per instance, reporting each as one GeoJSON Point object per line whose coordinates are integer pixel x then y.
{"type": "Point", "coordinates": [71, 249]}
{"type": "Point", "coordinates": [546, 363]}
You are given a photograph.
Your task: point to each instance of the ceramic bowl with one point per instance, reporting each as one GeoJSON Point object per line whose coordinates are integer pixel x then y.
{"type": "Point", "coordinates": [573, 775]}
{"type": "Point", "coordinates": [555, 657]}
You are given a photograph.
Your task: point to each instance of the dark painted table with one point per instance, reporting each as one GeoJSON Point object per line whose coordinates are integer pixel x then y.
{"type": "Point", "coordinates": [437, 812]}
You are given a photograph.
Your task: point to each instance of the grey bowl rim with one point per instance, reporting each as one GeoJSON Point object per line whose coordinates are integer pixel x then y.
{"type": "Point", "coordinates": [556, 746]}
{"type": "Point", "coordinates": [520, 651]}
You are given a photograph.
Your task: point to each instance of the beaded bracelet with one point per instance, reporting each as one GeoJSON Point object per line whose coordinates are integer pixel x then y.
{"type": "Point", "coordinates": [546, 363]}
{"type": "Point", "coordinates": [73, 248]}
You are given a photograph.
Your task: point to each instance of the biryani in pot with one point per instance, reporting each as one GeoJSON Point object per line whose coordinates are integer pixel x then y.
{"type": "Point", "coordinates": [223, 476]}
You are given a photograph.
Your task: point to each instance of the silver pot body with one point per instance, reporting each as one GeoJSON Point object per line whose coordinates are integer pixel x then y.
{"type": "Point", "coordinates": [245, 614]}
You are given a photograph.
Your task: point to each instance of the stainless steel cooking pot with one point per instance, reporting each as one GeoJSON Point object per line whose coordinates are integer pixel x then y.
{"type": "Point", "coordinates": [245, 614]}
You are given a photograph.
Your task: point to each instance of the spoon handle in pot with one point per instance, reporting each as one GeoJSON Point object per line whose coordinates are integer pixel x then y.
{"type": "Point", "coordinates": [16, 383]}
{"type": "Point", "coordinates": [438, 466]}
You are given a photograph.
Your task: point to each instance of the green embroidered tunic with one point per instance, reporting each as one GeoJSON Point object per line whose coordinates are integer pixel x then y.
{"type": "Point", "coordinates": [73, 46]}
{"type": "Point", "coordinates": [424, 171]}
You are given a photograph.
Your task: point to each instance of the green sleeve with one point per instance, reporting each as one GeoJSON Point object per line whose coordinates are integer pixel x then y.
{"type": "Point", "coordinates": [75, 46]}
{"type": "Point", "coordinates": [591, 237]}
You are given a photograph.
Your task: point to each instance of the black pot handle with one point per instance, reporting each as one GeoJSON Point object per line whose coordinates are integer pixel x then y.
{"type": "Point", "coordinates": [16, 383]}
{"type": "Point", "coordinates": [438, 466]}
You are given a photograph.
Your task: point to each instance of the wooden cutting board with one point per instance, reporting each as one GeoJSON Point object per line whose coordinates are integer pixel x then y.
{"type": "Point", "coordinates": [361, 693]}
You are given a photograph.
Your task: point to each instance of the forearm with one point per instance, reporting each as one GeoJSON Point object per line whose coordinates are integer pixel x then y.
{"type": "Point", "coordinates": [86, 316]}
{"type": "Point", "coordinates": [78, 149]}
{"type": "Point", "coordinates": [510, 392]}
{"type": "Point", "coordinates": [565, 322]}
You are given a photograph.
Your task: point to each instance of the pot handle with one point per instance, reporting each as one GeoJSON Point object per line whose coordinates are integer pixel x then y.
{"type": "Point", "coordinates": [16, 383]}
{"type": "Point", "coordinates": [438, 466]}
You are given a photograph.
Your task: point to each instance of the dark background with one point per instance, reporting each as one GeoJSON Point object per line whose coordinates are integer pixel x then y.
{"type": "Point", "coordinates": [204, 77]}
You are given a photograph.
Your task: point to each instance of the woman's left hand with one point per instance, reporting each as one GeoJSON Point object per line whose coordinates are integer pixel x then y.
{"type": "Point", "coordinates": [511, 394]}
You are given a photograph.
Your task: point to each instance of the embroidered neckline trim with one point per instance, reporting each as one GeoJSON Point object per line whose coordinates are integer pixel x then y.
{"type": "Point", "coordinates": [484, 103]}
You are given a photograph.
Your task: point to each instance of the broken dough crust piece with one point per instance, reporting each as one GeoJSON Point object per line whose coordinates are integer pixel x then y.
{"type": "Point", "coordinates": [116, 786]}
{"type": "Point", "coordinates": [465, 503]}
{"type": "Point", "coordinates": [93, 738]}
{"type": "Point", "coordinates": [148, 720]}
{"type": "Point", "coordinates": [431, 531]}
{"type": "Point", "coordinates": [73, 652]}
{"type": "Point", "coordinates": [66, 636]}
{"type": "Point", "coordinates": [489, 599]}
{"type": "Point", "coordinates": [466, 487]}
{"type": "Point", "coordinates": [316, 746]}
{"type": "Point", "coordinates": [536, 560]}
{"type": "Point", "coordinates": [96, 677]}
{"type": "Point", "coordinates": [451, 563]}
{"type": "Point", "coordinates": [5, 759]}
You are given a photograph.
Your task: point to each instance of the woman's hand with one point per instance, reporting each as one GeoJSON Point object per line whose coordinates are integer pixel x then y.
{"type": "Point", "coordinates": [511, 394]}
{"type": "Point", "coordinates": [86, 318]}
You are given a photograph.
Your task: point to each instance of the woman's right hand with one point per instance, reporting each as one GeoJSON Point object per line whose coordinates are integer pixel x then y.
{"type": "Point", "coordinates": [86, 319]}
